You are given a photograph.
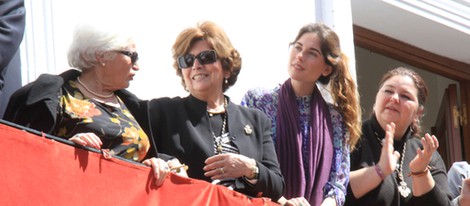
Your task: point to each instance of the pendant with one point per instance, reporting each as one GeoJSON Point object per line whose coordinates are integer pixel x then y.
{"type": "Point", "coordinates": [403, 189]}
{"type": "Point", "coordinates": [219, 148]}
{"type": "Point", "coordinates": [218, 143]}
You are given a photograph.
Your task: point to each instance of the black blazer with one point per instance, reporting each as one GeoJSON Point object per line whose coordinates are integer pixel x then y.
{"type": "Point", "coordinates": [180, 127]}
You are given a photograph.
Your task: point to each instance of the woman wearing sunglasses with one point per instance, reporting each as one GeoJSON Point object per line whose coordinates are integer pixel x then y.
{"type": "Point", "coordinates": [312, 136]}
{"type": "Point", "coordinates": [89, 105]}
{"type": "Point", "coordinates": [220, 141]}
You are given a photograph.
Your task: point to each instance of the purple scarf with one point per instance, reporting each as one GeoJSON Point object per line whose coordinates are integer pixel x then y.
{"type": "Point", "coordinates": [301, 183]}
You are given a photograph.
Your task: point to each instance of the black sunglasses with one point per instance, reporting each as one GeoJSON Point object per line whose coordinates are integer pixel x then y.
{"type": "Point", "coordinates": [205, 57]}
{"type": "Point", "coordinates": [133, 55]}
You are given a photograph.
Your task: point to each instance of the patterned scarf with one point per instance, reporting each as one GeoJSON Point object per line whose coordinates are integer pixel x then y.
{"type": "Point", "coordinates": [319, 154]}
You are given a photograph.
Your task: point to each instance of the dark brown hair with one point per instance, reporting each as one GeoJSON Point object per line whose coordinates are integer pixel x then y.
{"type": "Point", "coordinates": [420, 85]}
{"type": "Point", "coordinates": [343, 86]}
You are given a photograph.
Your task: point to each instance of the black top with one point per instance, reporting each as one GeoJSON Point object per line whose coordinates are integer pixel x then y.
{"type": "Point", "coordinates": [114, 125]}
{"type": "Point", "coordinates": [181, 128]}
{"type": "Point", "coordinates": [367, 153]}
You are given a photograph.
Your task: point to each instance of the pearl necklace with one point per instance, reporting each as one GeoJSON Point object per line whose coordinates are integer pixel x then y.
{"type": "Point", "coordinates": [92, 92]}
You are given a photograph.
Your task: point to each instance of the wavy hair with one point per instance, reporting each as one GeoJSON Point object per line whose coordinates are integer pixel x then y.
{"type": "Point", "coordinates": [218, 40]}
{"type": "Point", "coordinates": [343, 87]}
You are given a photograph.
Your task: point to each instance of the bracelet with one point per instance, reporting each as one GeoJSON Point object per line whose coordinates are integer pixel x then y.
{"type": "Point", "coordinates": [419, 174]}
{"type": "Point", "coordinates": [379, 171]}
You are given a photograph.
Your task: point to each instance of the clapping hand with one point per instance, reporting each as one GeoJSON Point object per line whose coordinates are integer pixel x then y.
{"type": "Point", "coordinates": [423, 156]}
{"type": "Point", "coordinates": [388, 156]}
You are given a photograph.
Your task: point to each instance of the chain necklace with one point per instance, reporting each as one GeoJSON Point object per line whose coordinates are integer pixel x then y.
{"type": "Point", "coordinates": [92, 92]}
{"type": "Point", "coordinates": [218, 140]}
{"type": "Point", "coordinates": [403, 187]}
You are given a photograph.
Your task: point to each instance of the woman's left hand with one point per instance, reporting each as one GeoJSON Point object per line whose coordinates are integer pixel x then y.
{"type": "Point", "coordinates": [228, 166]}
{"type": "Point", "coordinates": [423, 157]}
{"type": "Point", "coordinates": [160, 169]}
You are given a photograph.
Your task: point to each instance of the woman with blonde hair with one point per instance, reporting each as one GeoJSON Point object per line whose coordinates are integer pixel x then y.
{"type": "Point", "coordinates": [220, 141]}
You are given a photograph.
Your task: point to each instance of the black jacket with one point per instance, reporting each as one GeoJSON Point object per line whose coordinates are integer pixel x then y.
{"type": "Point", "coordinates": [180, 127]}
{"type": "Point", "coordinates": [36, 105]}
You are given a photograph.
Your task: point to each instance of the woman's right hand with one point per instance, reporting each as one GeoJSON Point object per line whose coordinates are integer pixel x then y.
{"type": "Point", "coordinates": [388, 156]}
{"type": "Point", "coordinates": [362, 181]}
{"type": "Point", "coordinates": [160, 169]}
{"type": "Point", "coordinates": [87, 139]}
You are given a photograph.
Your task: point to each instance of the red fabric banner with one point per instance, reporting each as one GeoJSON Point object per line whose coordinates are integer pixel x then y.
{"type": "Point", "coordinates": [35, 170]}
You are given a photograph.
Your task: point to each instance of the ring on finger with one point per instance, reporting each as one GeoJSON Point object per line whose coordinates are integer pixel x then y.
{"type": "Point", "coordinates": [221, 170]}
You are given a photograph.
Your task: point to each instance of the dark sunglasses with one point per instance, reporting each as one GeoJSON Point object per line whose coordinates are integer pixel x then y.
{"type": "Point", "coordinates": [133, 55]}
{"type": "Point", "coordinates": [205, 57]}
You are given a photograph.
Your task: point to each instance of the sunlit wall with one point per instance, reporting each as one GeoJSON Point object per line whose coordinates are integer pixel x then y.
{"type": "Point", "coordinates": [261, 30]}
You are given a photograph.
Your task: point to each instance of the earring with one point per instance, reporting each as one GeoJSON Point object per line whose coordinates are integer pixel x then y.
{"type": "Point", "coordinates": [225, 80]}
{"type": "Point", "coordinates": [103, 64]}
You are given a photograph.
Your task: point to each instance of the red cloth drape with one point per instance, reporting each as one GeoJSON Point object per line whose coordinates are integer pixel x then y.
{"type": "Point", "coordinates": [38, 171]}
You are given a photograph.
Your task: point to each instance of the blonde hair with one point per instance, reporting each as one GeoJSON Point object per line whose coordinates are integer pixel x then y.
{"type": "Point", "coordinates": [218, 40]}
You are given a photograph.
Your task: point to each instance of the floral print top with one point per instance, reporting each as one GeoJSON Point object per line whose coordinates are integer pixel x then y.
{"type": "Point", "coordinates": [115, 126]}
{"type": "Point", "coordinates": [267, 101]}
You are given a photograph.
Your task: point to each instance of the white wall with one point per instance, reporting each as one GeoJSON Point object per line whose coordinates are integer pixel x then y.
{"type": "Point", "coordinates": [261, 30]}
